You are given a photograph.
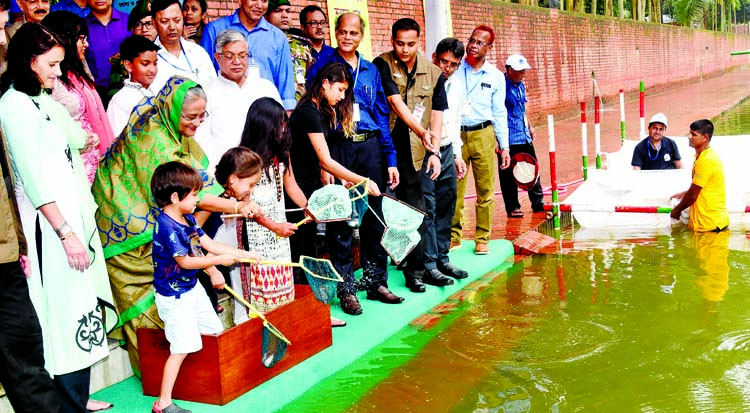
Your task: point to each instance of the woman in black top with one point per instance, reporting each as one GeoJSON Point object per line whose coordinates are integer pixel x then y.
{"type": "Point", "coordinates": [326, 105]}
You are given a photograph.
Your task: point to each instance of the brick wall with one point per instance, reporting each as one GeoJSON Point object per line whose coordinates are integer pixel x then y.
{"type": "Point", "coordinates": [565, 48]}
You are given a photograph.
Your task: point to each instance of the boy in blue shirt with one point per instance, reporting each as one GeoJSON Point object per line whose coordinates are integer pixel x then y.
{"type": "Point", "coordinates": [178, 256]}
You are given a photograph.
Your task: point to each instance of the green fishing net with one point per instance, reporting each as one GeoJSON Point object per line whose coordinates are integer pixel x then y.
{"type": "Point", "coordinates": [401, 234]}
{"type": "Point", "coordinates": [330, 203]}
{"type": "Point", "coordinates": [322, 277]}
{"type": "Point", "coordinates": [273, 346]}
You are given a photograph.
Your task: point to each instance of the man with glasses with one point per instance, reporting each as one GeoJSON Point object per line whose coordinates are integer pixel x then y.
{"type": "Point", "coordinates": [364, 154]}
{"type": "Point", "coordinates": [484, 131]}
{"type": "Point", "coordinates": [268, 47]}
{"type": "Point", "coordinates": [177, 56]}
{"type": "Point", "coordinates": [279, 12]}
{"type": "Point", "coordinates": [313, 22]}
{"type": "Point", "coordinates": [33, 11]}
{"type": "Point", "coordinates": [230, 96]}
{"type": "Point", "coordinates": [440, 194]}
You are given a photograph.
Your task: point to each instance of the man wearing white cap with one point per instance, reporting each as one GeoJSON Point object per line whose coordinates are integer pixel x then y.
{"type": "Point", "coordinates": [657, 151]}
{"type": "Point", "coordinates": [520, 137]}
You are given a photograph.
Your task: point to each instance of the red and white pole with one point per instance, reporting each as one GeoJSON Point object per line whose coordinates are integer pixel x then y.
{"type": "Point", "coordinates": [622, 117]}
{"type": "Point", "coordinates": [584, 142]}
{"type": "Point", "coordinates": [597, 132]}
{"type": "Point", "coordinates": [553, 171]}
{"type": "Point", "coordinates": [643, 110]}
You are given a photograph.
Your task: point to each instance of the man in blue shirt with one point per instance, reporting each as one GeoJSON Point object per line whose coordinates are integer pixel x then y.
{"type": "Point", "coordinates": [362, 154]}
{"type": "Point", "coordinates": [79, 7]}
{"type": "Point", "coordinates": [484, 129]}
{"type": "Point", "coordinates": [108, 28]}
{"type": "Point", "coordinates": [267, 45]}
{"type": "Point", "coordinates": [313, 22]}
{"type": "Point", "coordinates": [656, 151]}
{"type": "Point", "coordinates": [520, 136]}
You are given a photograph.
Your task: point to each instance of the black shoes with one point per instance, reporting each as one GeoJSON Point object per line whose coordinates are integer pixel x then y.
{"type": "Point", "coordinates": [436, 278]}
{"type": "Point", "coordinates": [452, 271]}
{"type": "Point", "coordinates": [350, 304]}
{"type": "Point", "coordinates": [384, 295]}
{"type": "Point", "coordinates": [415, 285]}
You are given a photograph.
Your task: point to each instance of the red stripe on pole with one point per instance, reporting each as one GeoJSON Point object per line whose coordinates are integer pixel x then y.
{"type": "Point", "coordinates": [643, 104]}
{"type": "Point", "coordinates": [553, 171]}
{"type": "Point", "coordinates": [583, 112]}
{"type": "Point", "coordinates": [597, 103]}
{"type": "Point", "coordinates": [640, 209]}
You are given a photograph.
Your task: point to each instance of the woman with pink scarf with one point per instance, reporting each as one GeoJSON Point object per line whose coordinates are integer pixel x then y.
{"type": "Point", "coordinates": [74, 88]}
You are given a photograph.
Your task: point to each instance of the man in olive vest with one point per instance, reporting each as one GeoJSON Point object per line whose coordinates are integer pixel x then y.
{"type": "Point", "coordinates": [415, 90]}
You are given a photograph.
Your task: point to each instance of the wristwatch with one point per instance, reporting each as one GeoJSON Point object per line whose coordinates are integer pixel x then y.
{"type": "Point", "coordinates": [436, 153]}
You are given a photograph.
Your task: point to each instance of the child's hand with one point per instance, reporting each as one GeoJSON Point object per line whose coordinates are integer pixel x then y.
{"type": "Point", "coordinates": [248, 255]}
{"type": "Point", "coordinates": [227, 259]}
{"type": "Point", "coordinates": [284, 229]}
{"type": "Point", "coordinates": [217, 278]}
{"type": "Point", "coordinates": [249, 209]}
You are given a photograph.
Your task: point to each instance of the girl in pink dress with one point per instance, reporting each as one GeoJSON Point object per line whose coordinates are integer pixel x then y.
{"type": "Point", "coordinates": [75, 90]}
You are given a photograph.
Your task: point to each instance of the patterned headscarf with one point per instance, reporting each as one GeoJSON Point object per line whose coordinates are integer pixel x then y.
{"type": "Point", "coordinates": [122, 185]}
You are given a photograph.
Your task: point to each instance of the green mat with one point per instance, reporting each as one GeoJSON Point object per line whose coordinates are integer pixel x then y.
{"type": "Point", "coordinates": [362, 334]}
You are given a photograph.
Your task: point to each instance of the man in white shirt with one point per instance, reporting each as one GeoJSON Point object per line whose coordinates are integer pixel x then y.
{"type": "Point", "coordinates": [138, 55]}
{"type": "Point", "coordinates": [177, 55]}
{"type": "Point", "coordinates": [440, 194]}
{"type": "Point", "coordinates": [230, 96]}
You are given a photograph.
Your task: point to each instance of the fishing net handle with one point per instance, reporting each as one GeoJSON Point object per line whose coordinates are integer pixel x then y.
{"type": "Point", "coordinates": [245, 303]}
{"type": "Point", "coordinates": [365, 183]}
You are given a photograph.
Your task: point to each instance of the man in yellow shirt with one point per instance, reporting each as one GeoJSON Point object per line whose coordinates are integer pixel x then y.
{"type": "Point", "coordinates": [706, 195]}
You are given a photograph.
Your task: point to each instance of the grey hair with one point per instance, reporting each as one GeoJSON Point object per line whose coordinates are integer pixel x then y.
{"type": "Point", "coordinates": [228, 36]}
{"type": "Point", "coordinates": [194, 93]}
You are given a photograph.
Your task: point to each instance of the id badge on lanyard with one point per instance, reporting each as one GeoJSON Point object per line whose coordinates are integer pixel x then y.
{"type": "Point", "coordinates": [418, 112]}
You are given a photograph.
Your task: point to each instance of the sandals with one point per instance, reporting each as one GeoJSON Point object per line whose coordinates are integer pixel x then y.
{"type": "Point", "coordinates": [516, 213]}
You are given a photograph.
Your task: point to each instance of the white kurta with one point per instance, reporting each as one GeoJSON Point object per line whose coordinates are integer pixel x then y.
{"type": "Point", "coordinates": [43, 142]}
{"type": "Point", "coordinates": [227, 105]}
{"type": "Point", "coordinates": [122, 104]}
{"type": "Point", "coordinates": [193, 63]}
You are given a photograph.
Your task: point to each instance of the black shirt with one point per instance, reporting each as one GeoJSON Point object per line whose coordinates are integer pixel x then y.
{"type": "Point", "coordinates": [648, 158]}
{"type": "Point", "coordinates": [306, 118]}
{"type": "Point", "coordinates": [400, 129]}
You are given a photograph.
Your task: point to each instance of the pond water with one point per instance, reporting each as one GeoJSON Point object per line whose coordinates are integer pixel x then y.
{"type": "Point", "coordinates": [629, 323]}
{"type": "Point", "coordinates": [735, 121]}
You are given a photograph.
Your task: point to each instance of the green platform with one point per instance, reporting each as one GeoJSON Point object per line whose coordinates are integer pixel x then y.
{"type": "Point", "coordinates": [351, 343]}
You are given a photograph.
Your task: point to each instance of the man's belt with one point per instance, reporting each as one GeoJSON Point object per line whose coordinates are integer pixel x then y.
{"type": "Point", "coordinates": [478, 126]}
{"type": "Point", "coordinates": [361, 137]}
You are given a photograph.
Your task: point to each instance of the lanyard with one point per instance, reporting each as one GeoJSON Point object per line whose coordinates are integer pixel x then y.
{"type": "Point", "coordinates": [182, 49]}
{"type": "Point", "coordinates": [356, 74]}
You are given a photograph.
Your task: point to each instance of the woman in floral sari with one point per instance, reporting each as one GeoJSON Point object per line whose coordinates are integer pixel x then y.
{"type": "Point", "coordinates": [159, 130]}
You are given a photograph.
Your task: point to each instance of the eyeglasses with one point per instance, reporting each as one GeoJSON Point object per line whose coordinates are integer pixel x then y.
{"type": "Point", "coordinates": [231, 56]}
{"type": "Point", "coordinates": [83, 38]}
{"type": "Point", "coordinates": [451, 65]}
{"type": "Point", "coordinates": [143, 25]}
{"type": "Point", "coordinates": [192, 119]}
{"type": "Point", "coordinates": [315, 24]}
{"type": "Point", "coordinates": [477, 42]}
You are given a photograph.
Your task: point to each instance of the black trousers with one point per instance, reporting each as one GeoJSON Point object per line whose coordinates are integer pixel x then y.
{"type": "Point", "coordinates": [509, 187]}
{"type": "Point", "coordinates": [302, 242]}
{"type": "Point", "coordinates": [74, 390]}
{"type": "Point", "coordinates": [363, 158]}
{"type": "Point", "coordinates": [440, 205]}
{"type": "Point", "coordinates": [410, 192]}
{"type": "Point", "coordinates": [27, 383]}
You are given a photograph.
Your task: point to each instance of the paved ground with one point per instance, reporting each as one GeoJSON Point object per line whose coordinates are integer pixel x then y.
{"type": "Point", "coordinates": [682, 105]}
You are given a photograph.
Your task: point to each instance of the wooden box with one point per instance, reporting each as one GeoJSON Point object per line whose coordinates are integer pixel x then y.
{"type": "Point", "coordinates": [229, 364]}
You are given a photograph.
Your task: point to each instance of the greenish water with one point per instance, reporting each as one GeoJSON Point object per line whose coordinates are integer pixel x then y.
{"type": "Point", "coordinates": [735, 121]}
{"type": "Point", "coordinates": [624, 323]}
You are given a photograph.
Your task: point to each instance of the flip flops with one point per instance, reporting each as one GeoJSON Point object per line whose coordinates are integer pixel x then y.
{"type": "Point", "coordinates": [516, 213]}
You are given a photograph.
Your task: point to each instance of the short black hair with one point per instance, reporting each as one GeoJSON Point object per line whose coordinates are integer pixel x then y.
{"type": "Point", "coordinates": [174, 177]}
{"type": "Point", "coordinates": [404, 24]}
{"type": "Point", "coordinates": [4, 5]}
{"type": "Point", "coordinates": [307, 10]}
{"type": "Point", "coordinates": [450, 44]}
{"type": "Point", "coordinates": [704, 127]}
{"type": "Point", "coordinates": [161, 5]}
{"type": "Point", "coordinates": [134, 45]}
